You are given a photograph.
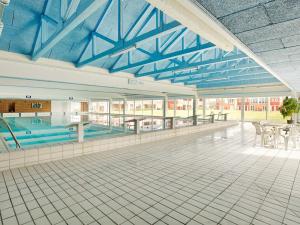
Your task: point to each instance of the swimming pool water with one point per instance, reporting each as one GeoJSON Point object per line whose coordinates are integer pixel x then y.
{"type": "Point", "coordinates": [41, 131]}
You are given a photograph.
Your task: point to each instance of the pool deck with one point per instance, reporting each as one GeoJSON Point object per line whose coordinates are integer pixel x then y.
{"type": "Point", "coordinates": [212, 178]}
{"type": "Point", "coordinates": [2, 146]}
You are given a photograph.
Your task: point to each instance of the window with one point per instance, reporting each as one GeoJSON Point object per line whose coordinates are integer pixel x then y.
{"type": "Point", "coordinates": [117, 107]}
{"type": "Point", "coordinates": [147, 107]}
{"type": "Point", "coordinates": [171, 108]}
{"type": "Point", "coordinates": [129, 108]}
{"type": "Point", "coordinates": [232, 106]}
{"type": "Point", "coordinates": [274, 113]}
{"type": "Point", "coordinates": [138, 104]}
{"type": "Point", "coordinates": [258, 109]}
{"type": "Point", "coordinates": [75, 107]}
{"type": "Point", "coordinates": [200, 107]}
{"type": "Point", "coordinates": [158, 107]}
{"type": "Point", "coordinates": [184, 107]}
{"type": "Point", "coordinates": [100, 106]}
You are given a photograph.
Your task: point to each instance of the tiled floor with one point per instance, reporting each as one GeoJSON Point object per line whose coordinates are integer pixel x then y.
{"type": "Point", "coordinates": [217, 178]}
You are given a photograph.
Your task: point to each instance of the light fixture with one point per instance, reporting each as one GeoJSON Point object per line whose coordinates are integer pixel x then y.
{"type": "Point", "coordinates": [4, 2]}
{"type": "Point", "coordinates": [186, 69]}
{"type": "Point", "coordinates": [129, 49]}
{"type": "Point", "coordinates": [217, 79]}
{"type": "Point", "coordinates": [193, 16]}
{"type": "Point", "coordinates": [1, 27]}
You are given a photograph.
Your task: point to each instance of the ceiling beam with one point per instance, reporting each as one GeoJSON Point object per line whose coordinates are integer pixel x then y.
{"type": "Point", "coordinates": [218, 75]}
{"type": "Point", "coordinates": [156, 57]}
{"type": "Point", "coordinates": [136, 26]}
{"type": "Point", "coordinates": [202, 72]}
{"type": "Point", "coordinates": [238, 83]}
{"type": "Point", "coordinates": [195, 64]}
{"type": "Point", "coordinates": [123, 45]}
{"type": "Point", "coordinates": [67, 27]}
{"type": "Point", "coordinates": [230, 77]}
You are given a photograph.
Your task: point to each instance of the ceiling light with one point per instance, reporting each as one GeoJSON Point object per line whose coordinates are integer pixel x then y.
{"type": "Point", "coordinates": [193, 16]}
{"type": "Point", "coordinates": [186, 69]}
{"type": "Point", "coordinates": [4, 2]}
{"type": "Point", "coordinates": [1, 27]}
{"type": "Point", "coordinates": [217, 79]}
{"type": "Point", "coordinates": [129, 49]}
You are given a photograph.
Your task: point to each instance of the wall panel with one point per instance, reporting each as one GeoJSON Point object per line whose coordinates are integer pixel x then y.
{"type": "Point", "coordinates": [23, 106]}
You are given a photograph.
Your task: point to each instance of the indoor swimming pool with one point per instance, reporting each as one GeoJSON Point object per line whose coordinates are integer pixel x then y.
{"type": "Point", "coordinates": [33, 132]}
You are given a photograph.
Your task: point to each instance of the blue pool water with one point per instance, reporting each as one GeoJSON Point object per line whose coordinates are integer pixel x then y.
{"type": "Point", "coordinates": [41, 131]}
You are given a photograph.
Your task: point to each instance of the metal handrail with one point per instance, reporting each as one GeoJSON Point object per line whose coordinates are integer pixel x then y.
{"type": "Point", "coordinates": [126, 115]}
{"type": "Point", "coordinates": [11, 132]}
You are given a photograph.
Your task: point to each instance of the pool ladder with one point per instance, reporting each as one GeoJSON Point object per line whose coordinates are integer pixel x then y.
{"type": "Point", "coordinates": [18, 146]}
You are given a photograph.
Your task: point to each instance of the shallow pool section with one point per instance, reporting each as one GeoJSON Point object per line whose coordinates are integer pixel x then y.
{"type": "Point", "coordinates": [40, 131]}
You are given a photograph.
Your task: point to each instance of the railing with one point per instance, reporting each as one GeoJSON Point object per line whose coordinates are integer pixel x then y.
{"type": "Point", "coordinates": [18, 146]}
{"type": "Point", "coordinates": [144, 123]}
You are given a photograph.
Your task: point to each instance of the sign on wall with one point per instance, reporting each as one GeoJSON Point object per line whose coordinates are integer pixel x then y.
{"type": "Point", "coordinates": [37, 105]}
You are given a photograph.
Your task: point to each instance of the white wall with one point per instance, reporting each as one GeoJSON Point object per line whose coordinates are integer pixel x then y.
{"type": "Point", "coordinates": [60, 107]}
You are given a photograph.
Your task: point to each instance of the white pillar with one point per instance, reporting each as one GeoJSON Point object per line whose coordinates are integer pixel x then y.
{"type": "Point", "coordinates": [124, 111]}
{"type": "Point", "coordinates": [152, 110]}
{"type": "Point", "coordinates": [267, 107]}
{"type": "Point", "coordinates": [175, 105]}
{"type": "Point", "coordinates": [204, 107]}
{"type": "Point", "coordinates": [80, 132]}
{"type": "Point", "coordinates": [165, 110]}
{"type": "Point", "coordinates": [243, 109]}
{"type": "Point", "coordinates": [109, 112]}
{"type": "Point", "coordinates": [195, 106]}
{"type": "Point", "coordinates": [137, 126]}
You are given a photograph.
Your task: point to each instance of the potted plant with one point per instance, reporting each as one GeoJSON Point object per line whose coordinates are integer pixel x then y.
{"type": "Point", "coordinates": [288, 108]}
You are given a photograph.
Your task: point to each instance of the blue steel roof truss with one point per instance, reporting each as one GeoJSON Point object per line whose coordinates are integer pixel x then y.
{"type": "Point", "coordinates": [130, 36]}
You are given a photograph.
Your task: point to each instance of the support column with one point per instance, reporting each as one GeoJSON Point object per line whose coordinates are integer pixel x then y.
{"type": "Point", "coordinates": [137, 126]}
{"type": "Point", "coordinates": [80, 132]}
{"type": "Point", "coordinates": [109, 112]}
{"type": "Point", "coordinates": [243, 109]}
{"type": "Point", "coordinates": [90, 105]}
{"type": "Point", "coordinates": [165, 111]}
{"type": "Point", "coordinates": [124, 111]}
{"type": "Point", "coordinates": [204, 107]}
{"type": "Point", "coordinates": [152, 110]}
{"type": "Point", "coordinates": [175, 106]}
{"type": "Point", "coordinates": [195, 106]}
{"type": "Point", "coordinates": [267, 107]}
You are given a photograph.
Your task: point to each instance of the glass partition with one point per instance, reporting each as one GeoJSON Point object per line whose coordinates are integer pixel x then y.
{"type": "Point", "coordinates": [130, 107]}
{"type": "Point", "coordinates": [171, 108]}
{"type": "Point", "coordinates": [75, 107]}
{"type": "Point", "coordinates": [232, 106]}
{"type": "Point", "coordinates": [147, 108]}
{"type": "Point", "coordinates": [158, 108]}
{"type": "Point", "coordinates": [255, 109]}
{"type": "Point", "coordinates": [200, 107]}
{"type": "Point", "coordinates": [184, 107]}
{"type": "Point", "coordinates": [274, 112]}
{"type": "Point", "coordinates": [211, 106]}
{"type": "Point", "coordinates": [117, 107]}
{"type": "Point", "coordinates": [138, 104]}
{"type": "Point", "coordinates": [100, 106]}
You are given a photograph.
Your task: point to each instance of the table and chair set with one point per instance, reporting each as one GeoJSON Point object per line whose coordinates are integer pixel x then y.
{"type": "Point", "coordinates": [274, 135]}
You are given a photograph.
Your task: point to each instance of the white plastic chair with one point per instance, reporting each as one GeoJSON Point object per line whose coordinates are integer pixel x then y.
{"type": "Point", "coordinates": [285, 133]}
{"type": "Point", "coordinates": [266, 135]}
{"type": "Point", "coordinates": [290, 132]}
